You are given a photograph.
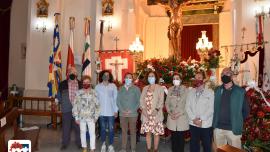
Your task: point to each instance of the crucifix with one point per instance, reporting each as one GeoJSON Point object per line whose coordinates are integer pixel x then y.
{"type": "Point", "coordinates": [175, 9]}
{"type": "Point", "coordinates": [116, 39]}
{"type": "Point", "coordinates": [116, 65]}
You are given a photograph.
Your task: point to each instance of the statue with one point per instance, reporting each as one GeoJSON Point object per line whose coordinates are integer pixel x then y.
{"type": "Point", "coordinates": [176, 26]}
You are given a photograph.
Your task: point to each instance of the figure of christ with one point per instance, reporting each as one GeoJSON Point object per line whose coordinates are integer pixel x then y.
{"type": "Point", "coordinates": [176, 26]}
{"type": "Point", "coordinates": [116, 65]}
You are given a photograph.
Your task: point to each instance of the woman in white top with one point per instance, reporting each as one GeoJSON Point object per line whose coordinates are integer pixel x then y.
{"type": "Point", "coordinates": [107, 95]}
{"type": "Point", "coordinates": [200, 110]}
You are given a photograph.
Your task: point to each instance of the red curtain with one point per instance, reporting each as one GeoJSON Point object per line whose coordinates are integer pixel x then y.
{"type": "Point", "coordinates": [4, 45]}
{"type": "Point", "coordinates": [190, 35]}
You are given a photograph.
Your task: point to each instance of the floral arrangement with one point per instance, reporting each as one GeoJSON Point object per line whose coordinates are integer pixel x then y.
{"type": "Point", "coordinates": [165, 68]}
{"type": "Point", "coordinates": [256, 134]}
{"type": "Point", "coordinates": [213, 59]}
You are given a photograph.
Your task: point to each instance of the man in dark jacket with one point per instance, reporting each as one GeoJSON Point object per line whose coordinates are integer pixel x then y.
{"type": "Point", "coordinates": [230, 110]}
{"type": "Point", "coordinates": [67, 90]}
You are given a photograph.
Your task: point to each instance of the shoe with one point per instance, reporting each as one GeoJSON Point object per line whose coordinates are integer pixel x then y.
{"type": "Point", "coordinates": [63, 147]}
{"type": "Point", "coordinates": [110, 148]}
{"type": "Point", "coordinates": [79, 147]}
{"type": "Point", "coordinates": [155, 150]}
{"type": "Point", "coordinates": [103, 148]}
{"type": "Point", "coordinates": [148, 150]}
{"type": "Point", "coordinates": [92, 150]}
{"type": "Point", "coordinates": [133, 150]}
{"type": "Point", "coordinates": [122, 150]}
{"type": "Point", "coordinates": [84, 149]}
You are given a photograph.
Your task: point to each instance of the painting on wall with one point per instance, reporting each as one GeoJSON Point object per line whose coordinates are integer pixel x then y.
{"type": "Point", "coordinates": [42, 8]}
{"type": "Point", "coordinates": [107, 7]}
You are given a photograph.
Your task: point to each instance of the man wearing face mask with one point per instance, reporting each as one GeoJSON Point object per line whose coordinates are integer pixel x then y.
{"type": "Point", "coordinates": [128, 102]}
{"type": "Point", "coordinates": [67, 91]}
{"type": "Point", "coordinates": [200, 109]}
{"type": "Point", "coordinates": [230, 110]}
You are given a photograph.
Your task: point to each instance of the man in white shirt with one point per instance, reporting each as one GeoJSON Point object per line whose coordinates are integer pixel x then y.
{"type": "Point", "coordinates": [200, 109]}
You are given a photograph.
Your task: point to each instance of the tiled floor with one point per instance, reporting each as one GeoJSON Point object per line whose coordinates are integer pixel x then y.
{"type": "Point", "coordinates": [50, 140]}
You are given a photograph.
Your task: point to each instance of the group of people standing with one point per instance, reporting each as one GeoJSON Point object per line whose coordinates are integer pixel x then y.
{"type": "Point", "coordinates": [199, 110]}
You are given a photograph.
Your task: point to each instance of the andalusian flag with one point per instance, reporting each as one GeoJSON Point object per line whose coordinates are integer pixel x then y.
{"type": "Point", "coordinates": [70, 57]}
{"type": "Point", "coordinates": [55, 63]}
{"type": "Point", "coordinates": [86, 59]}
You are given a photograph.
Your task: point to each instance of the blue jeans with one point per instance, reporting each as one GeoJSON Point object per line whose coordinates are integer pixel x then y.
{"type": "Point", "coordinates": [107, 121]}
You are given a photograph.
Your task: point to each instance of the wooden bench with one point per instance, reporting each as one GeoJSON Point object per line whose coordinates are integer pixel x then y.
{"type": "Point", "coordinates": [228, 148]}
{"type": "Point", "coordinates": [38, 106]}
{"type": "Point", "coordinates": [11, 119]}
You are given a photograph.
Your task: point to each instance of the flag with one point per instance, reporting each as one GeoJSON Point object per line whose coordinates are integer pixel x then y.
{"type": "Point", "coordinates": [259, 29]}
{"type": "Point", "coordinates": [86, 59]}
{"type": "Point", "coordinates": [118, 62]}
{"type": "Point", "coordinates": [70, 57]}
{"type": "Point", "coordinates": [55, 63]}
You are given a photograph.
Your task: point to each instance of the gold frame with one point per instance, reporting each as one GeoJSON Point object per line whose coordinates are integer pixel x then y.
{"type": "Point", "coordinates": [107, 7]}
{"type": "Point", "coordinates": [42, 8]}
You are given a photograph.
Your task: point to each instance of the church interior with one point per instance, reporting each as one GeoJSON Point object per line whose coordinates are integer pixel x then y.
{"type": "Point", "coordinates": [41, 39]}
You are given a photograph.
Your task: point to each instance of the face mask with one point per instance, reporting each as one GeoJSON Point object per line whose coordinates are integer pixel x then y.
{"type": "Point", "coordinates": [128, 81]}
{"type": "Point", "coordinates": [176, 82]}
{"type": "Point", "coordinates": [86, 86]}
{"type": "Point", "coordinates": [151, 80]}
{"type": "Point", "coordinates": [226, 79]}
{"type": "Point", "coordinates": [105, 77]}
{"type": "Point", "coordinates": [197, 83]}
{"type": "Point", "coordinates": [72, 76]}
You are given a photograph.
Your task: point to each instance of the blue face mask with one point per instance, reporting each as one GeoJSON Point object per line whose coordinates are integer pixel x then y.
{"type": "Point", "coordinates": [128, 81]}
{"type": "Point", "coordinates": [151, 80]}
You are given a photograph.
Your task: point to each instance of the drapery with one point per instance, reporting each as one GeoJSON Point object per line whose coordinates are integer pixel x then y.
{"type": "Point", "coordinates": [4, 45]}
{"type": "Point", "coordinates": [190, 35]}
{"type": "Point", "coordinates": [156, 40]}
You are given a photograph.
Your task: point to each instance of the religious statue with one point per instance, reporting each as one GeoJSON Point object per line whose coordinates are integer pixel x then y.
{"type": "Point", "coordinates": [176, 26]}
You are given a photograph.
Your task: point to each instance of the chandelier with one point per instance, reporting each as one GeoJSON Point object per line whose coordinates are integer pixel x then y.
{"type": "Point", "coordinates": [136, 45]}
{"type": "Point", "coordinates": [203, 44]}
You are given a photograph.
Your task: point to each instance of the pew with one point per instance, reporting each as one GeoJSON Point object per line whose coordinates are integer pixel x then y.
{"type": "Point", "coordinates": [38, 106]}
{"type": "Point", "coordinates": [228, 148]}
{"type": "Point", "coordinates": [11, 120]}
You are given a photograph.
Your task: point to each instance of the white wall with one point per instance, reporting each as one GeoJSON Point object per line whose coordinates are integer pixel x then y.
{"type": "Point", "coordinates": [123, 25]}
{"type": "Point", "coordinates": [39, 44]}
{"type": "Point", "coordinates": [246, 18]}
{"type": "Point", "coordinates": [18, 26]}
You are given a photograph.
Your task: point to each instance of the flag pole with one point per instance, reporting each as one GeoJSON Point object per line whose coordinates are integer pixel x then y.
{"type": "Point", "coordinates": [86, 58]}
{"type": "Point", "coordinates": [70, 57]}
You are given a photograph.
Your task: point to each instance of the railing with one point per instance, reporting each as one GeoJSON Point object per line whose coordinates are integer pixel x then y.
{"type": "Point", "coordinates": [37, 106]}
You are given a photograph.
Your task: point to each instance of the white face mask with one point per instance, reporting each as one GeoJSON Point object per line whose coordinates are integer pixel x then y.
{"type": "Point", "coordinates": [176, 82]}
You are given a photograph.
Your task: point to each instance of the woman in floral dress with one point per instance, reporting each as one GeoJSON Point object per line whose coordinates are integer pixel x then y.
{"type": "Point", "coordinates": [151, 104]}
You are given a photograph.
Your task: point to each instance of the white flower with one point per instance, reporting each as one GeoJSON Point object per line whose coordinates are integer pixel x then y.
{"type": "Point", "coordinates": [193, 61]}
{"type": "Point", "coordinates": [149, 66]}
